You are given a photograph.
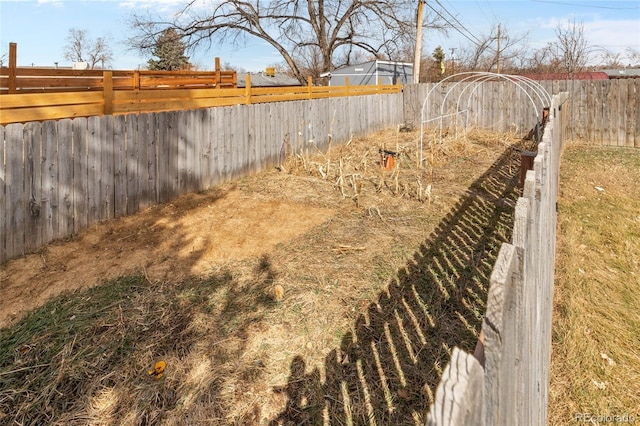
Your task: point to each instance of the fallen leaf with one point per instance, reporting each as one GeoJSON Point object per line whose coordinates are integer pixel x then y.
{"type": "Point", "coordinates": [403, 393]}
{"type": "Point", "coordinates": [158, 370]}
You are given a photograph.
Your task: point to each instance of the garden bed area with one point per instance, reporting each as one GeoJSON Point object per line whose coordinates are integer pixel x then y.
{"type": "Point", "coordinates": [330, 289]}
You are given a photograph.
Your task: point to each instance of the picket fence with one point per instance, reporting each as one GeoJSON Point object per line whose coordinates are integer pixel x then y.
{"type": "Point", "coordinates": [511, 388]}
{"type": "Point", "coordinates": [60, 177]}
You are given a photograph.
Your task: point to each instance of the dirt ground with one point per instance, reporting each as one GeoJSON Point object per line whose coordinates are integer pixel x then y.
{"type": "Point", "coordinates": [382, 273]}
{"type": "Point", "coordinates": [169, 242]}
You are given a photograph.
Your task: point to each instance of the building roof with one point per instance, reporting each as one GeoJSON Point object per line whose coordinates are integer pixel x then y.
{"type": "Point", "coordinates": [623, 72]}
{"type": "Point", "coordinates": [595, 75]}
{"type": "Point", "coordinates": [260, 79]}
{"type": "Point", "coordinates": [364, 64]}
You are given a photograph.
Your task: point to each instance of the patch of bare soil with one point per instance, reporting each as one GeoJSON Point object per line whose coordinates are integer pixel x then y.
{"type": "Point", "coordinates": [187, 237]}
{"type": "Point", "coordinates": [330, 290]}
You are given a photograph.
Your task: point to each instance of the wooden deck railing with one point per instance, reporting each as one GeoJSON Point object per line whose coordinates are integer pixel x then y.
{"type": "Point", "coordinates": [114, 99]}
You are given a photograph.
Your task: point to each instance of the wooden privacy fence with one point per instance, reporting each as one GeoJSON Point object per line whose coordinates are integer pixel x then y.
{"type": "Point", "coordinates": [14, 79]}
{"type": "Point", "coordinates": [21, 108]}
{"type": "Point", "coordinates": [59, 177]}
{"type": "Point", "coordinates": [512, 388]}
{"type": "Point", "coordinates": [604, 112]}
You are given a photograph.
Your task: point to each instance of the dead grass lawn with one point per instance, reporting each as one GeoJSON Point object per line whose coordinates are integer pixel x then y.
{"type": "Point", "coordinates": [382, 276]}
{"type": "Point", "coordinates": [595, 364]}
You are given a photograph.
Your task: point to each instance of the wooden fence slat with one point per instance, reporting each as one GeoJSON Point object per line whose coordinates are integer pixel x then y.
{"type": "Point", "coordinates": [192, 130]}
{"type": "Point", "coordinates": [231, 142]}
{"type": "Point", "coordinates": [32, 186]}
{"type": "Point", "coordinates": [3, 198]}
{"type": "Point", "coordinates": [50, 179]}
{"type": "Point", "coordinates": [632, 112]}
{"type": "Point", "coordinates": [153, 158]}
{"type": "Point", "coordinates": [15, 199]}
{"type": "Point", "coordinates": [120, 159]}
{"type": "Point", "coordinates": [520, 239]}
{"type": "Point", "coordinates": [65, 178]}
{"type": "Point", "coordinates": [80, 178]}
{"type": "Point", "coordinates": [212, 133]}
{"type": "Point", "coordinates": [204, 154]}
{"type": "Point", "coordinates": [133, 181]}
{"type": "Point", "coordinates": [459, 398]}
{"type": "Point", "coordinates": [224, 153]}
{"type": "Point", "coordinates": [184, 151]}
{"type": "Point", "coordinates": [94, 145]}
{"type": "Point", "coordinates": [169, 152]}
{"type": "Point", "coordinates": [107, 176]}
{"type": "Point", "coordinates": [499, 329]}
{"type": "Point", "coordinates": [144, 142]}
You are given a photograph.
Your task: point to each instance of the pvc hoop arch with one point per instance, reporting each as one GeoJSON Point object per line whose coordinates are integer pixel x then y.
{"type": "Point", "coordinates": [480, 77]}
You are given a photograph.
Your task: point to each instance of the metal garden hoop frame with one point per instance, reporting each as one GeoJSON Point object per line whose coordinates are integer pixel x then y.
{"type": "Point", "coordinates": [537, 95]}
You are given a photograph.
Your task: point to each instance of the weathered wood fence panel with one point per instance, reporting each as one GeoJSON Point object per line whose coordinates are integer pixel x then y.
{"type": "Point", "coordinates": [605, 112]}
{"type": "Point", "coordinates": [59, 177]}
{"type": "Point", "coordinates": [517, 325]}
{"type": "Point", "coordinates": [497, 105]}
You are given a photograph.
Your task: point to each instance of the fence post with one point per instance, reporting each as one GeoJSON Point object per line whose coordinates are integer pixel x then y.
{"type": "Point", "coordinates": [346, 83]}
{"type": "Point", "coordinates": [218, 75]}
{"type": "Point", "coordinates": [136, 80]}
{"type": "Point", "coordinates": [13, 55]}
{"type": "Point", "coordinates": [247, 88]}
{"type": "Point", "coordinates": [107, 92]}
{"type": "Point", "coordinates": [309, 85]}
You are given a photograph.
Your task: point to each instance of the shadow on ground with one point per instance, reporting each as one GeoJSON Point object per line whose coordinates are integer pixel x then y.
{"type": "Point", "coordinates": [386, 371]}
{"type": "Point", "coordinates": [87, 357]}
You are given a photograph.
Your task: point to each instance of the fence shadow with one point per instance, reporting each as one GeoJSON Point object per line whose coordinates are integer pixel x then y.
{"type": "Point", "coordinates": [386, 371]}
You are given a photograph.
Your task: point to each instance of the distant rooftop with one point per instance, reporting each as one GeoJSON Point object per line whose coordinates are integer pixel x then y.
{"type": "Point", "coordinates": [596, 75]}
{"type": "Point", "coordinates": [261, 79]}
{"type": "Point", "coordinates": [623, 72]}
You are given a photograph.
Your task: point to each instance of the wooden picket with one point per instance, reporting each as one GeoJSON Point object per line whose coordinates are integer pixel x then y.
{"type": "Point", "coordinates": [513, 386]}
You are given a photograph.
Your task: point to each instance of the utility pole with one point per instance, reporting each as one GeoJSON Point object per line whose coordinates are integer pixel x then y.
{"type": "Point", "coordinates": [418, 53]}
{"type": "Point", "coordinates": [499, 48]}
{"type": "Point", "coordinates": [499, 38]}
{"type": "Point", "coordinates": [453, 60]}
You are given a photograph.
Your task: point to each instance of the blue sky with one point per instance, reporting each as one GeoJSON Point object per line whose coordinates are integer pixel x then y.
{"type": "Point", "coordinates": [40, 27]}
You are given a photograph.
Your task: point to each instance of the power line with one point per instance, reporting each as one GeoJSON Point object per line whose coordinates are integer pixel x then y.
{"type": "Point", "coordinates": [455, 18]}
{"type": "Point", "coordinates": [470, 36]}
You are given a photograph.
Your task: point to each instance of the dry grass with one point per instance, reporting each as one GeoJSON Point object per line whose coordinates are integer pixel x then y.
{"type": "Point", "coordinates": [596, 336]}
{"type": "Point", "coordinates": [350, 322]}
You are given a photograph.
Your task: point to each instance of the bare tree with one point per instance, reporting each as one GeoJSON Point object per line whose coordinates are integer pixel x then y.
{"type": "Point", "coordinates": [633, 55]}
{"type": "Point", "coordinates": [610, 59]}
{"type": "Point", "coordinates": [543, 60]}
{"type": "Point", "coordinates": [310, 35]}
{"type": "Point", "coordinates": [80, 48]}
{"type": "Point", "coordinates": [572, 46]}
{"type": "Point", "coordinates": [485, 54]}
